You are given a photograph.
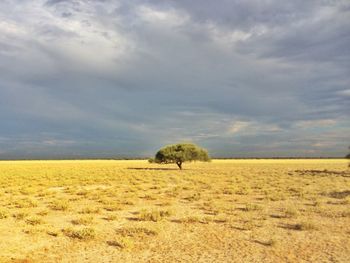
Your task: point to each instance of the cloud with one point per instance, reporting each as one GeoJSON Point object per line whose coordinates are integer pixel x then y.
{"type": "Point", "coordinates": [345, 93]}
{"type": "Point", "coordinates": [239, 126]}
{"type": "Point", "coordinates": [123, 78]}
{"type": "Point", "coordinates": [316, 123]}
{"type": "Point", "coordinates": [253, 128]}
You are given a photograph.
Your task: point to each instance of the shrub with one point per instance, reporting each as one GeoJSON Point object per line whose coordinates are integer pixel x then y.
{"type": "Point", "coordinates": [195, 219]}
{"type": "Point", "coordinates": [252, 207]}
{"type": "Point", "coordinates": [3, 213]}
{"type": "Point", "coordinates": [60, 205]}
{"type": "Point", "coordinates": [136, 232]}
{"type": "Point", "coordinates": [290, 211]}
{"type": "Point", "coordinates": [154, 215]}
{"type": "Point", "coordinates": [194, 197]}
{"type": "Point", "coordinates": [113, 207]}
{"type": "Point", "coordinates": [81, 234]}
{"type": "Point", "coordinates": [122, 243]}
{"type": "Point", "coordinates": [26, 203]}
{"type": "Point", "coordinates": [86, 220]}
{"type": "Point", "coordinates": [90, 210]}
{"type": "Point", "coordinates": [307, 225]}
{"type": "Point", "coordinates": [20, 215]}
{"type": "Point", "coordinates": [34, 221]}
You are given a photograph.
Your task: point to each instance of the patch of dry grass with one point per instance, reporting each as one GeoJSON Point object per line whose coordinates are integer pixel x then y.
{"type": "Point", "coordinates": [128, 211]}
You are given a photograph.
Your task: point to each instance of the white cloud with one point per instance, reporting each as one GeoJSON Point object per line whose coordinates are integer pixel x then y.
{"type": "Point", "coordinates": [321, 144]}
{"type": "Point", "coordinates": [170, 17]}
{"type": "Point", "coordinates": [345, 93]}
{"type": "Point", "coordinates": [238, 126]}
{"type": "Point", "coordinates": [316, 123]}
{"type": "Point", "coordinates": [252, 127]}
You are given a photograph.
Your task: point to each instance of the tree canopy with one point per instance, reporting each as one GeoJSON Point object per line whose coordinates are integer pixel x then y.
{"type": "Point", "coordinates": [180, 153]}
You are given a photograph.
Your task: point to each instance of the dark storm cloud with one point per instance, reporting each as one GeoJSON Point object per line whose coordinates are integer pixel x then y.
{"type": "Point", "coordinates": [114, 78]}
{"type": "Point", "coordinates": [54, 2]}
{"type": "Point", "coordinates": [247, 14]}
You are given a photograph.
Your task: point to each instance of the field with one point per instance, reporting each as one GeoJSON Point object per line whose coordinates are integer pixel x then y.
{"type": "Point", "coordinates": [132, 211]}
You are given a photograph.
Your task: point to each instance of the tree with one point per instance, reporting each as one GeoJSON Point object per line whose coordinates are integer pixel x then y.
{"type": "Point", "coordinates": [180, 153]}
{"type": "Point", "coordinates": [348, 156]}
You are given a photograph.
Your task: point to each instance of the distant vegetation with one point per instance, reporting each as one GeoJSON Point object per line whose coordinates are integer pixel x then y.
{"type": "Point", "coordinates": [180, 153]}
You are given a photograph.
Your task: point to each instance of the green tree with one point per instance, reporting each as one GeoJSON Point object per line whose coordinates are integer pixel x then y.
{"type": "Point", "coordinates": [348, 156]}
{"type": "Point", "coordinates": [180, 153]}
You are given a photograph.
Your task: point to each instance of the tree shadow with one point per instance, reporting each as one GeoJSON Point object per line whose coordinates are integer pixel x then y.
{"type": "Point", "coordinates": [153, 169]}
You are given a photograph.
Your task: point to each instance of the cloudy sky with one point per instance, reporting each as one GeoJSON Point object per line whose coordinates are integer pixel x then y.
{"type": "Point", "coordinates": [122, 78]}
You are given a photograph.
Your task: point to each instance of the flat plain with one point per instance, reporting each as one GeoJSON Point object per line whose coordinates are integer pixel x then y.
{"type": "Point", "coordinates": [132, 211]}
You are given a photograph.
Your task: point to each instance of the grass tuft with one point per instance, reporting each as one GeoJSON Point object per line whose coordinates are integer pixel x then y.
{"type": "Point", "coordinates": [81, 234]}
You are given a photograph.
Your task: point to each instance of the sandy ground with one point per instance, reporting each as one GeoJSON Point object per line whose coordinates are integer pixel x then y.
{"type": "Point", "coordinates": [132, 211]}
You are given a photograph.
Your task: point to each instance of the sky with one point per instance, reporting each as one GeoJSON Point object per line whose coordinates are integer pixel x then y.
{"type": "Point", "coordinates": [104, 79]}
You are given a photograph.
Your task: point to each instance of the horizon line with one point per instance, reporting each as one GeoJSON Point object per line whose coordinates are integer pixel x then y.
{"type": "Point", "coordinates": [145, 158]}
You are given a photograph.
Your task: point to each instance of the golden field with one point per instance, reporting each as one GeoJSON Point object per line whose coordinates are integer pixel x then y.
{"type": "Point", "coordinates": [132, 211]}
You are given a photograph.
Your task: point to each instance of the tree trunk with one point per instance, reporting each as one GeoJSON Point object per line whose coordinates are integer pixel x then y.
{"type": "Point", "coordinates": [179, 164]}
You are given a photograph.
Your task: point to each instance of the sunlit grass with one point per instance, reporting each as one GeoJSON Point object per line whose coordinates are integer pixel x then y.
{"type": "Point", "coordinates": [128, 209]}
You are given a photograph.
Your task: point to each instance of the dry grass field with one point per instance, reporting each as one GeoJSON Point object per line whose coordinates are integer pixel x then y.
{"type": "Point", "coordinates": [132, 211]}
